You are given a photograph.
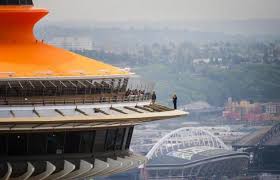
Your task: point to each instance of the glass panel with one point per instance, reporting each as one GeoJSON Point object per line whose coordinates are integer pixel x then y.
{"type": "Point", "coordinates": [29, 2]}
{"type": "Point", "coordinates": [24, 113]}
{"type": "Point", "coordinates": [3, 144]}
{"type": "Point", "coordinates": [152, 173]}
{"type": "Point", "coordinates": [72, 142]}
{"type": "Point", "coordinates": [100, 141]}
{"type": "Point", "coordinates": [163, 173]}
{"type": "Point", "coordinates": [13, 2]}
{"type": "Point", "coordinates": [109, 111]}
{"type": "Point", "coordinates": [55, 143]}
{"type": "Point", "coordinates": [120, 137]}
{"type": "Point", "coordinates": [5, 114]}
{"type": "Point", "coordinates": [129, 136]}
{"type": "Point", "coordinates": [16, 2]}
{"type": "Point", "coordinates": [110, 139]}
{"type": "Point", "coordinates": [87, 140]}
{"type": "Point", "coordinates": [17, 144]}
{"type": "Point", "coordinates": [37, 143]}
{"type": "Point", "coordinates": [48, 113]}
{"type": "Point", "coordinates": [176, 172]}
{"type": "Point", "coordinates": [90, 111]}
{"type": "Point", "coordinates": [70, 112]}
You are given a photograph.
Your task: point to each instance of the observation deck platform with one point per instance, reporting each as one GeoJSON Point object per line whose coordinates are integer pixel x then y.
{"type": "Point", "coordinates": [57, 117]}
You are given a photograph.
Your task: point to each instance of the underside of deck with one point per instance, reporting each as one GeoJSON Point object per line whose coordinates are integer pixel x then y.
{"type": "Point", "coordinates": [69, 169]}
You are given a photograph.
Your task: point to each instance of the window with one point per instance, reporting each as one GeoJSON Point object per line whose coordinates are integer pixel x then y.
{"type": "Point", "coordinates": [87, 140]}
{"type": "Point", "coordinates": [3, 144]}
{"type": "Point", "coordinates": [72, 142]}
{"type": "Point", "coordinates": [29, 2]}
{"type": "Point", "coordinates": [55, 143]}
{"type": "Point", "coordinates": [37, 143]}
{"type": "Point", "coordinates": [17, 144]}
{"type": "Point", "coordinates": [152, 173]}
{"type": "Point", "coordinates": [176, 172]}
{"type": "Point", "coordinates": [100, 141]}
{"type": "Point", "coordinates": [13, 2]}
{"type": "Point", "coordinates": [129, 136]}
{"type": "Point", "coordinates": [16, 2]}
{"type": "Point", "coordinates": [164, 173]}
{"type": "Point", "coordinates": [22, 1]}
{"type": "Point", "coordinates": [110, 139]}
{"type": "Point", "coordinates": [79, 142]}
{"type": "Point", "coordinates": [119, 138]}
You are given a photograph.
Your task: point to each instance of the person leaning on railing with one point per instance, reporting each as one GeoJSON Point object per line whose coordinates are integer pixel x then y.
{"type": "Point", "coordinates": [154, 97]}
{"type": "Point", "coordinates": [128, 92]}
{"type": "Point", "coordinates": [134, 92]}
{"type": "Point", "coordinates": [174, 99]}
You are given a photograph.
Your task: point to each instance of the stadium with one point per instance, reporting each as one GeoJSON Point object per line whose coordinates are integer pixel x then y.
{"type": "Point", "coordinates": [194, 152]}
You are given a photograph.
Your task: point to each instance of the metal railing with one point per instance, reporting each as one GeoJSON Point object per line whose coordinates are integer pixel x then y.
{"type": "Point", "coordinates": [90, 92]}
{"type": "Point", "coordinates": [70, 100]}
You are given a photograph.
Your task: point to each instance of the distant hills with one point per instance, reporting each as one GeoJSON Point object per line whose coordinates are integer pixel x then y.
{"type": "Point", "coordinates": [253, 82]}
{"type": "Point", "coordinates": [124, 35]}
{"type": "Point", "coordinates": [244, 27]}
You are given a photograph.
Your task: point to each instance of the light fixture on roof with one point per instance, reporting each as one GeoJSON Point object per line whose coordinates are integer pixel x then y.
{"type": "Point", "coordinates": [48, 73]}
{"type": "Point", "coordinates": [9, 74]}
{"type": "Point", "coordinates": [80, 72]}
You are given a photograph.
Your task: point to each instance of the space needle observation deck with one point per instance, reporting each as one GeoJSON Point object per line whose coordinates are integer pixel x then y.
{"type": "Point", "coordinates": [63, 115]}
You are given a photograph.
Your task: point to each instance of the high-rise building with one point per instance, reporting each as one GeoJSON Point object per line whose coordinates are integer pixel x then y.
{"type": "Point", "coordinates": [73, 43]}
{"type": "Point", "coordinates": [62, 115]}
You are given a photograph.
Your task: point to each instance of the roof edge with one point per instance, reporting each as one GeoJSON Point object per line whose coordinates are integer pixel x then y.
{"type": "Point", "coordinates": [69, 77]}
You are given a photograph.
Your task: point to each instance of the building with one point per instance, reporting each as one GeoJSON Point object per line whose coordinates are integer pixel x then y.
{"type": "Point", "coordinates": [62, 115]}
{"type": "Point", "coordinates": [73, 43]}
{"type": "Point", "coordinates": [272, 108]}
{"type": "Point", "coordinates": [248, 111]}
{"type": "Point", "coordinates": [201, 61]}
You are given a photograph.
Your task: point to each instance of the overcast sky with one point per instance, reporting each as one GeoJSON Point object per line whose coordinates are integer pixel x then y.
{"type": "Point", "coordinates": [160, 10]}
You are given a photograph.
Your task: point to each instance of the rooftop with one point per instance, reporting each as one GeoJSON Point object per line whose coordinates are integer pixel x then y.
{"type": "Point", "coordinates": [24, 57]}
{"type": "Point", "coordinates": [39, 60]}
{"type": "Point", "coordinates": [190, 155]}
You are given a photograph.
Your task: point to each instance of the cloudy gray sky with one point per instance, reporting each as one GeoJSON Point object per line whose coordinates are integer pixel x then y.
{"type": "Point", "coordinates": [160, 10]}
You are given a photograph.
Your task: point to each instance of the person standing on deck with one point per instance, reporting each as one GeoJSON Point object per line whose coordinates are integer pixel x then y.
{"type": "Point", "coordinates": [174, 99]}
{"type": "Point", "coordinates": [154, 97]}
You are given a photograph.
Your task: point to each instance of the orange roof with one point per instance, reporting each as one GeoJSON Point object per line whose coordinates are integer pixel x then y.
{"type": "Point", "coordinates": [40, 60]}
{"type": "Point", "coordinates": [22, 56]}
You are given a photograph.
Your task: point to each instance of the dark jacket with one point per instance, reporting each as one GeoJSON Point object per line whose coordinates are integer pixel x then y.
{"type": "Point", "coordinates": [174, 99]}
{"type": "Point", "coordinates": [154, 97]}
